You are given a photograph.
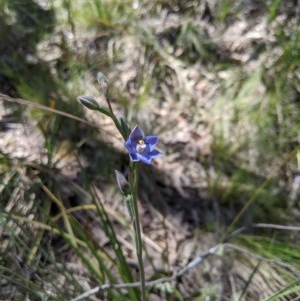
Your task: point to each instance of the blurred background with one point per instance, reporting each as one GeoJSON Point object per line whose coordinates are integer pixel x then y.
{"type": "Point", "coordinates": [217, 81]}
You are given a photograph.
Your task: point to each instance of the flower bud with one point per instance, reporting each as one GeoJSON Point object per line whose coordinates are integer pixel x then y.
{"type": "Point", "coordinates": [89, 102]}
{"type": "Point", "coordinates": [122, 182]}
{"type": "Point", "coordinates": [102, 80]}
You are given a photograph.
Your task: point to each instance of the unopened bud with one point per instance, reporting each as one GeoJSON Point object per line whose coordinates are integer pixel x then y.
{"type": "Point", "coordinates": [122, 182]}
{"type": "Point", "coordinates": [102, 80]}
{"type": "Point", "coordinates": [89, 102]}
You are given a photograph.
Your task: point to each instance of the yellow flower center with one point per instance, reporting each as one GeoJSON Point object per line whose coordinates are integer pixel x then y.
{"type": "Point", "coordinates": [141, 146]}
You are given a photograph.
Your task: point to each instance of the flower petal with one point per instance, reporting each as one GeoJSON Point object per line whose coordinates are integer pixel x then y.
{"type": "Point", "coordinates": [152, 141]}
{"type": "Point", "coordinates": [145, 158]}
{"type": "Point", "coordinates": [129, 145]}
{"type": "Point", "coordinates": [134, 156]}
{"type": "Point", "coordinates": [155, 153]}
{"type": "Point", "coordinates": [132, 151]}
{"type": "Point", "coordinates": [136, 134]}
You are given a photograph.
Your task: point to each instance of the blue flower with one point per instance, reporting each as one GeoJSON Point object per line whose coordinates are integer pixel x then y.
{"type": "Point", "coordinates": [141, 147]}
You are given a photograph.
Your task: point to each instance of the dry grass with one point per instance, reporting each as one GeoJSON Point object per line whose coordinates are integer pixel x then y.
{"type": "Point", "coordinates": [218, 83]}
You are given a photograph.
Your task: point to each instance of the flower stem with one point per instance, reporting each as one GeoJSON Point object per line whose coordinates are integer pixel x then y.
{"type": "Point", "coordinates": [113, 116]}
{"type": "Point", "coordinates": [137, 228]}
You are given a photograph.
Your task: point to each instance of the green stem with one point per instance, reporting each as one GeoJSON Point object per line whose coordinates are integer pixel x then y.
{"type": "Point", "coordinates": [118, 125]}
{"type": "Point", "coordinates": [137, 227]}
{"type": "Point", "coordinates": [113, 116]}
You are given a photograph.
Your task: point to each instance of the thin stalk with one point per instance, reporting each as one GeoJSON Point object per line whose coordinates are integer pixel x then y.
{"type": "Point", "coordinates": [137, 227]}
{"type": "Point", "coordinates": [113, 116]}
{"type": "Point", "coordinates": [117, 124]}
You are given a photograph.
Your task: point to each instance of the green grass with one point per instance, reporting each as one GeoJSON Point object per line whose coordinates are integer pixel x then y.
{"type": "Point", "coordinates": [49, 247]}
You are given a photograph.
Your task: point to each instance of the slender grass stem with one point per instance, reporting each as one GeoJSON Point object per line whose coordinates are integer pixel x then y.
{"type": "Point", "coordinates": [137, 227]}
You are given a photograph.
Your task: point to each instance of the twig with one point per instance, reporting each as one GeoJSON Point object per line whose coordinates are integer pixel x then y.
{"type": "Point", "coordinates": [196, 261]}
{"type": "Point", "coordinates": [278, 227]}
{"type": "Point", "coordinates": [260, 225]}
